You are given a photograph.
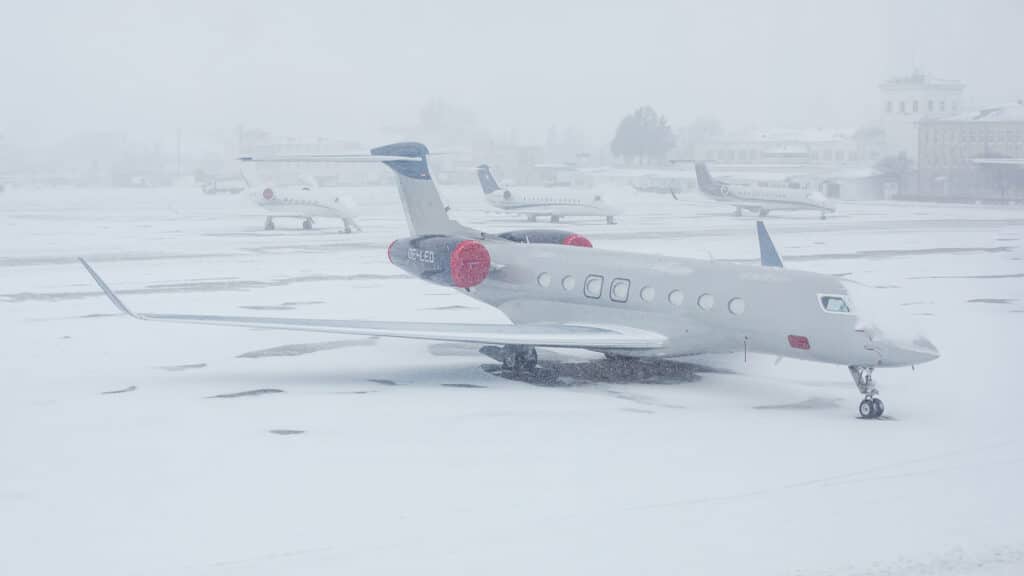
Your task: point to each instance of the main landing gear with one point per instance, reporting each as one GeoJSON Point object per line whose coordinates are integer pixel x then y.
{"type": "Point", "coordinates": [554, 219]}
{"type": "Point", "coordinates": [871, 406]}
{"type": "Point", "coordinates": [519, 359]}
{"type": "Point", "coordinates": [268, 224]}
{"type": "Point", "coordinates": [307, 224]}
{"type": "Point", "coordinates": [610, 219]}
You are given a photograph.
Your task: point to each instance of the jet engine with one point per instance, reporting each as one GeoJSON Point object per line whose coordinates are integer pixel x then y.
{"type": "Point", "coordinates": [442, 259]}
{"type": "Point", "coordinates": [547, 237]}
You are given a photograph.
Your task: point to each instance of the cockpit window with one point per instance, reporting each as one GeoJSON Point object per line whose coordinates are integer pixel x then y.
{"type": "Point", "coordinates": [835, 304]}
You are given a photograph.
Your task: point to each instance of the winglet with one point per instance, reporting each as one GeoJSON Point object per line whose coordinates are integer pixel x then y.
{"type": "Point", "coordinates": [769, 256]}
{"type": "Point", "coordinates": [106, 290]}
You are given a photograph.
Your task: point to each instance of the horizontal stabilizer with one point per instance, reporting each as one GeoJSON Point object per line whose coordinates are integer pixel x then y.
{"type": "Point", "coordinates": [769, 256]}
{"type": "Point", "coordinates": [328, 158]}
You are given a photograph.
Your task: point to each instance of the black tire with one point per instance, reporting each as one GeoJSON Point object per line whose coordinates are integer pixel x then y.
{"type": "Point", "coordinates": [510, 361]}
{"type": "Point", "coordinates": [878, 406]}
{"type": "Point", "coordinates": [866, 408]}
{"type": "Point", "coordinates": [528, 360]}
{"type": "Point", "coordinates": [307, 224]}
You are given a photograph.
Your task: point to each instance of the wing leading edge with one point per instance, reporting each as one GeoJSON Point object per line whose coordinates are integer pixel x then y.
{"type": "Point", "coordinates": [546, 335]}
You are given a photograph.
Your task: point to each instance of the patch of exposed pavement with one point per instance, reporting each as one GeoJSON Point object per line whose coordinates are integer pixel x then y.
{"type": "Point", "coordinates": [307, 348]}
{"type": "Point", "coordinates": [245, 393]}
{"type": "Point", "coordinates": [121, 391]}
{"type": "Point", "coordinates": [286, 431]}
{"type": "Point", "coordinates": [182, 367]}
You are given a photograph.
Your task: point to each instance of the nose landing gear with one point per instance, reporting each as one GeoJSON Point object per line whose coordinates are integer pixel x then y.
{"type": "Point", "coordinates": [871, 406]}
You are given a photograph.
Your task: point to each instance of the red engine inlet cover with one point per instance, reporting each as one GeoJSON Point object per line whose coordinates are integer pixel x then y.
{"type": "Point", "coordinates": [470, 263]}
{"type": "Point", "coordinates": [577, 240]}
{"type": "Point", "coordinates": [268, 193]}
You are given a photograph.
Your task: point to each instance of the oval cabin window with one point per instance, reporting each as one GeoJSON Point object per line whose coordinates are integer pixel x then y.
{"type": "Point", "coordinates": [706, 301]}
{"type": "Point", "coordinates": [675, 297]}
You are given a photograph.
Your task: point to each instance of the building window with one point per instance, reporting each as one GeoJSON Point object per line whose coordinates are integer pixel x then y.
{"type": "Point", "coordinates": [568, 283]}
{"type": "Point", "coordinates": [888, 107]}
{"type": "Point", "coordinates": [706, 301]}
{"type": "Point", "coordinates": [915, 106]}
{"type": "Point", "coordinates": [593, 287]}
{"type": "Point", "coordinates": [619, 290]}
{"type": "Point", "coordinates": [647, 293]}
{"type": "Point", "coordinates": [737, 306]}
{"type": "Point", "coordinates": [942, 105]}
{"type": "Point", "coordinates": [903, 107]}
{"type": "Point", "coordinates": [931, 105]}
{"type": "Point", "coordinates": [544, 279]}
{"type": "Point", "coordinates": [676, 297]}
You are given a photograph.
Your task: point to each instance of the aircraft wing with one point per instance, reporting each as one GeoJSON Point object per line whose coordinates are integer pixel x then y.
{"type": "Point", "coordinates": [547, 335]}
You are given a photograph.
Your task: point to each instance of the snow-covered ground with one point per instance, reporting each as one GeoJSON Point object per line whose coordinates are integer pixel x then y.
{"type": "Point", "coordinates": [138, 448]}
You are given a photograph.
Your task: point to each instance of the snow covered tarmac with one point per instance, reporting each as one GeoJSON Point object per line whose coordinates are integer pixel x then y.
{"type": "Point", "coordinates": [129, 447]}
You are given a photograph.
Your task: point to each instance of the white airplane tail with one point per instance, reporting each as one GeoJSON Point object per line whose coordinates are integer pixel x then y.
{"type": "Point", "coordinates": [424, 211]}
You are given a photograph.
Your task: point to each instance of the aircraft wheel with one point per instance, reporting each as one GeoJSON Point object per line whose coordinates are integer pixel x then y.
{"type": "Point", "coordinates": [519, 359]}
{"type": "Point", "coordinates": [878, 406]}
{"type": "Point", "coordinates": [822, 215]}
{"type": "Point", "coordinates": [528, 362]}
{"type": "Point", "coordinates": [268, 224]}
{"type": "Point", "coordinates": [554, 219]}
{"type": "Point", "coordinates": [867, 408]}
{"type": "Point", "coordinates": [610, 219]}
{"type": "Point", "coordinates": [307, 224]}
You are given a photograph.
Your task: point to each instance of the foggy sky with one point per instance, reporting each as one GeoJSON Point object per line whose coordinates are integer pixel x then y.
{"type": "Point", "coordinates": [345, 69]}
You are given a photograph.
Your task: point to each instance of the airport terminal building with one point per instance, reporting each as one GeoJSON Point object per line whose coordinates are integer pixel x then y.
{"type": "Point", "coordinates": [973, 156]}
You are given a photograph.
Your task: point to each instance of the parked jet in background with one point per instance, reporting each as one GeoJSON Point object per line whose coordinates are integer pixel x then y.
{"type": "Point", "coordinates": [554, 202]}
{"type": "Point", "coordinates": [304, 202]}
{"type": "Point", "coordinates": [559, 292]}
{"type": "Point", "coordinates": [763, 197]}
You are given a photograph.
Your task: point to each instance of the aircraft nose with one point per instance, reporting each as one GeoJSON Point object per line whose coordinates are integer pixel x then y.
{"type": "Point", "coordinates": [919, 351]}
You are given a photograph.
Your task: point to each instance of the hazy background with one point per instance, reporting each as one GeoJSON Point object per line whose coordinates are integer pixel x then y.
{"type": "Point", "coordinates": [359, 69]}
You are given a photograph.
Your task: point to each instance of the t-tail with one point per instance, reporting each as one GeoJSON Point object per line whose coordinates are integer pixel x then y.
{"type": "Point", "coordinates": [487, 182]}
{"type": "Point", "coordinates": [424, 211]}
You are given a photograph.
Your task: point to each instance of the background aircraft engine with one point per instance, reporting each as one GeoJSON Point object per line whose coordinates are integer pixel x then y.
{"type": "Point", "coordinates": [547, 237]}
{"type": "Point", "coordinates": [442, 259]}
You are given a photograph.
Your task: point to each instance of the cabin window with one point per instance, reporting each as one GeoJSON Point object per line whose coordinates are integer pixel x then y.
{"type": "Point", "coordinates": [706, 301]}
{"type": "Point", "coordinates": [834, 304]}
{"type": "Point", "coordinates": [619, 291]}
{"type": "Point", "coordinates": [544, 279]}
{"type": "Point", "coordinates": [568, 283]}
{"type": "Point", "coordinates": [676, 297]}
{"type": "Point", "coordinates": [647, 293]}
{"type": "Point", "coordinates": [737, 306]}
{"type": "Point", "coordinates": [593, 287]}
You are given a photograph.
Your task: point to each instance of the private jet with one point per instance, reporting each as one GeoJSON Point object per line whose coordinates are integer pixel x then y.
{"type": "Point", "coordinates": [763, 197]}
{"type": "Point", "coordinates": [558, 291]}
{"type": "Point", "coordinates": [554, 202]}
{"type": "Point", "coordinates": [303, 202]}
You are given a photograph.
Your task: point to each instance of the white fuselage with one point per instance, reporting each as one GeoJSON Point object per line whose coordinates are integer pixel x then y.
{"type": "Point", "coordinates": [551, 202]}
{"type": "Point", "coordinates": [766, 196]}
{"type": "Point", "coordinates": [700, 306]}
{"type": "Point", "coordinates": [302, 202]}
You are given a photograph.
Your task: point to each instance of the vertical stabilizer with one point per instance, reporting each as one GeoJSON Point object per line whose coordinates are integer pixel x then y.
{"type": "Point", "coordinates": [487, 181]}
{"type": "Point", "coordinates": [424, 210]}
